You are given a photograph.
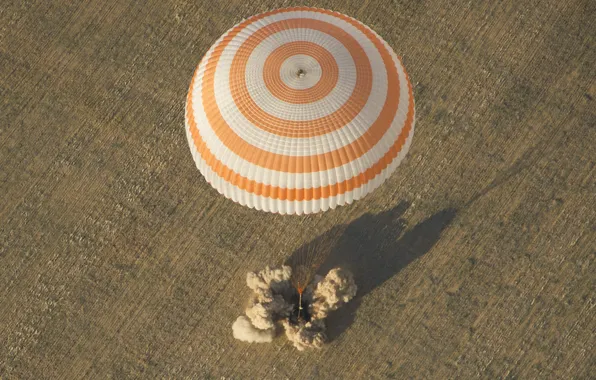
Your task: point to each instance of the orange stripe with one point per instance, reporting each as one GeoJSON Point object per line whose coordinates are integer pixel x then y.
{"type": "Point", "coordinates": [275, 192]}
{"type": "Point", "coordinates": [277, 87]}
{"type": "Point", "coordinates": [289, 128]}
{"type": "Point", "coordinates": [294, 164]}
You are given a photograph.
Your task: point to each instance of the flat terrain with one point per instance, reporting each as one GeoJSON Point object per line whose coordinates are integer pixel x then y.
{"type": "Point", "coordinates": [476, 259]}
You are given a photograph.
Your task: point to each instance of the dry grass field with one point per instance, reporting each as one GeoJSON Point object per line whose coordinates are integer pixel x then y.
{"type": "Point", "coordinates": [476, 259]}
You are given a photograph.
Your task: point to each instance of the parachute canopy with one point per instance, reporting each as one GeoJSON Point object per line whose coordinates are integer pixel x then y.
{"type": "Point", "coordinates": [299, 110]}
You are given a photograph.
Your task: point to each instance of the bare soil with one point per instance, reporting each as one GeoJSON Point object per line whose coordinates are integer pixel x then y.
{"type": "Point", "coordinates": [476, 259]}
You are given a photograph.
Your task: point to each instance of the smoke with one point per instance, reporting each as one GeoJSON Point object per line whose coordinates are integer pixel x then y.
{"type": "Point", "coordinates": [332, 292]}
{"type": "Point", "coordinates": [307, 335]}
{"type": "Point", "coordinates": [268, 303]}
{"type": "Point", "coordinates": [274, 305]}
{"type": "Point", "coordinates": [244, 330]}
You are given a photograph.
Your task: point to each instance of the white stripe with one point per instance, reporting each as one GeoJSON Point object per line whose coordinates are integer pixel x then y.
{"type": "Point", "coordinates": [306, 180]}
{"type": "Point", "coordinates": [300, 112]}
{"type": "Point", "coordinates": [290, 69]}
{"type": "Point", "coordinates": [295, 207]}
{"type": "Point", "coordinates": [276, 178]}
{"type": "Point", "coordinates": [303, 146]}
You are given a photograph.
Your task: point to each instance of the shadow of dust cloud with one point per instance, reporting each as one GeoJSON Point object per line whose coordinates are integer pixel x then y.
{"type": "Point", "coordinates": [374, 248]}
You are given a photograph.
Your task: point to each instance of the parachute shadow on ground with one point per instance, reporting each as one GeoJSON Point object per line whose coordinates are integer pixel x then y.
{"type": "Point", "coordinates": [374, 248]}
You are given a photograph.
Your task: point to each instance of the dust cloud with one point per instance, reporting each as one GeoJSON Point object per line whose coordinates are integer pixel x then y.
{"type": "Point", "coordinates": [275, 306]}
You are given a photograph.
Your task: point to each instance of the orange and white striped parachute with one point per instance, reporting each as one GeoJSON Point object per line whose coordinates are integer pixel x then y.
{"type": "Point", "coordinates": [299, 110]}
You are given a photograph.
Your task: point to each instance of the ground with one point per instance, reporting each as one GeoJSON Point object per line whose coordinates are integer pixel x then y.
{"type": "Point", "coordinates": [476, 259]}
